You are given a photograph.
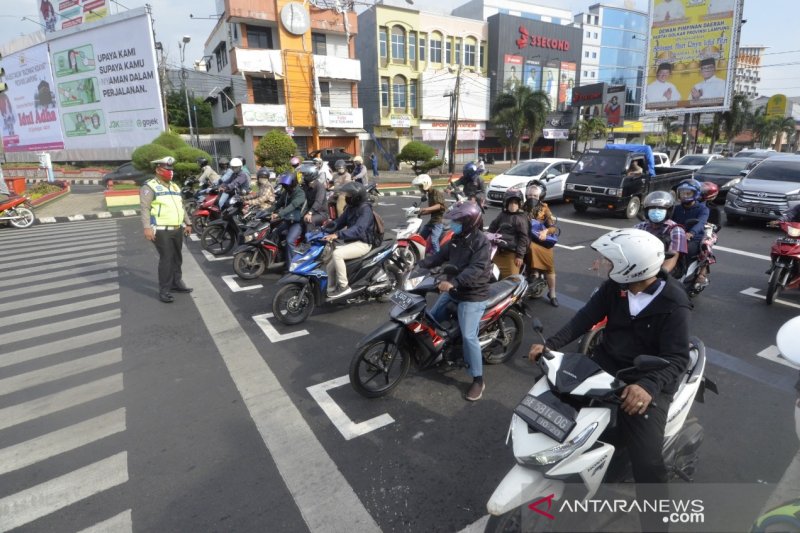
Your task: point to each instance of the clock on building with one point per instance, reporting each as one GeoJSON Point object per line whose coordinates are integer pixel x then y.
{"type": "Point", "coordinates": [295, 18]}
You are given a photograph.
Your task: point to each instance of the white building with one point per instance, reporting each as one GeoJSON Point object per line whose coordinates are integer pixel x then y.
{"type": "Point", "coordinates": [748, 70]}
{"type": "Point", "coordinates": [483, 9]}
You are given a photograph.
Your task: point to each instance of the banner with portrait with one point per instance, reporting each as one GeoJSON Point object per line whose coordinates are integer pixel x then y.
{"type": "Point", "coordinates": [61, 14]}
{"type": "Point", "coordinates": [691, 60]}
{"type": "Point", "coordinates": [550, 82]}
{"type": "Point", "coordinates": [532, 74]}
{"type": "Point", "coordinates": [566, 84]}
{"type": "Point", "coordinates": [512, 71]}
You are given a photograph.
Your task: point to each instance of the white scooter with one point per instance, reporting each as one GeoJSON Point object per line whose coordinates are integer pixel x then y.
{"type": "Point", "coordinates": [557, 426]}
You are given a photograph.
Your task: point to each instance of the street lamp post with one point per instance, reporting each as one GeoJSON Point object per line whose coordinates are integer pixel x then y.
{"type": "Point", "coordinates": [182, 46]}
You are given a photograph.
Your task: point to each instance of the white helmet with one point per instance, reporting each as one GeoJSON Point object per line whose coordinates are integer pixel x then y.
{"type": "Point", "coordinates": [424, 180]}
{"type": "Point", "coordinates": [635, 254]}
{"type": "Point", "coordinates": [235, 162]}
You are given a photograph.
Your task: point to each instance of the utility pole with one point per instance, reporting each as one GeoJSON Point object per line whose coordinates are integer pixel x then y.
{"type": "Point", "coordinates": [184, 75]}
{"type": "Point", "coordinates": [454, 114]}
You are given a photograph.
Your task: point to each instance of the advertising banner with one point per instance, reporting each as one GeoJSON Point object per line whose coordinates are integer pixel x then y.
{"type": "Point", "coordinates": [29, 107]}
{"type": "Point", "coordinates": [614, 106]}
{"type": "Point", "coordinates": [512, 71]}
{"type": "Point", "coordinates": [108, 92]}
{"type": "Point", "coordinates": [692, 55]}
{"type": "Point", "coordinates": [532, 74]}
{"type": "Point", "coordinates": [550, 82]}
{"type": "Point", "coordinates": [61, 14]}
{"type": "Point", "coordinates": [776, 106]}
{"type": "Point", "coordinates": [566, 84]}
{"type": "Point", "coordinates": [263, 115]}
{"type": "Point", "coordinates": [333, 117]}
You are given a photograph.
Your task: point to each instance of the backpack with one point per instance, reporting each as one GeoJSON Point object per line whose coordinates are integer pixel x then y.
{"type": "Point", "coordinates": [377, 229]}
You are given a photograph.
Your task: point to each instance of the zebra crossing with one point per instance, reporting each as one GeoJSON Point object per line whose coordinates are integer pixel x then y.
{"type": "Point", "coordinates": [60, 373]}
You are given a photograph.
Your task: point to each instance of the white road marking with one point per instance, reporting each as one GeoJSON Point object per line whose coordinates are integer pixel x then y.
{"type": "Point", "coordinates": [573, 248]}
{"type": "Point", "coordinates": [60, 296]}
{"type": "Point", "coordinates": [52, 312]}
{"type": "Point", "coordinates": [194, 237]}
{"type": "Point", "coordinates": [60, 273]}
{"type": "Point", "coordinates": [772, 353]}
{"type": "Point", "coordinates": [128, 212]}
{"type": "Point", "coordinates": [47, 287]}
{"type": "Point", "coordinates": [272, 333]}
{"type": "Point", "coordinates": [73, 246]}
{"type": "Point", "coordinates": [230, 281]}
{"type": "Point", "coordinates": [325, 499]}
{"type": "Point", "coordinates": [61, 441]}
{"type": "Point", "coordinates": [120, 523]}
{"type": "Point", "coordinates": [346, 427]}
{"type": "Point", "coordinates": [73, 218]}
{"type": "Point", "coordinates": [752, 291]}
{"type": "Point", "coordinates": [384, 204]}
{"type": "Point", "coordinates": [59, 371]}
{"type": "Point", "coordinates": [476, 527]}
{"type": "Point", "coordinates": [52, 256]}
{"type": "Point", "coordinates": [58, 327]}
{"type": "Point", "coordinates": [89, 234]}
{"type": "Point", "coordinates": [100, 256]}
{"type": "Point", "coordinates": [47, 220]}
{"type": "Point", "coordinates": [60, 346]}
{"type": "Point", "coordinates": [104, 214]}
{"type": "Point", "coordinates": [41, 500]}
{"type": "Point", "coordinates": [211, 257]}
{"type": "Point", "coordinates": [742, 252]}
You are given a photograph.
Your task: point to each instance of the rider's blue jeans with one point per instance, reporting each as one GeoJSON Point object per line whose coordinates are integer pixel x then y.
{"type": "Point", "coordinates": [469, 318]}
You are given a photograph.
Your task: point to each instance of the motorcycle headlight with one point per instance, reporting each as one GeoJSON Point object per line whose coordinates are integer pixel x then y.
{"type": "Point", "coordinates": [250, 237]}
{"type": "Point", "coordinates": [553, 455]}
{"type": "Point", "coordinates": [731, 183]}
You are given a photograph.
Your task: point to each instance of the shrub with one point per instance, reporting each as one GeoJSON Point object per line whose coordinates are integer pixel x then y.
{"type": "Point", "coordinates": [170, 140]}
{"type": "Point", "coordinates": [420, 155]}
{"type": "Point", "coordinates": [149, 152]}
{"type": "Point", "coordinates": [186, 161]}
{"type": "Point", "coordinates": [274, 150]}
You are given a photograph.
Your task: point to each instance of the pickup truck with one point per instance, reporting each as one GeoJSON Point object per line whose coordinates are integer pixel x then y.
{"type": "Point", "coordinates": [601, 178]}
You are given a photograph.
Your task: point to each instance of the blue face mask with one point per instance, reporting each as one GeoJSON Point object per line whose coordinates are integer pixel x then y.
{"type": "Point", "coordinates": [457, 227]}
{"type": "Point", "coordinates": [656, 216]}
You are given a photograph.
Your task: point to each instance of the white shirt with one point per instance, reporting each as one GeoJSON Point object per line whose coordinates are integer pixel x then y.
{"type": "Point", "coordinates": [713, 87]}
{"type": "Point", "coordinates": [637, 302]}
{"type": "Point", "coordinates": [673, 8]}
{"type": "Point", "coordinates": [325, 173]}
{"type": "Point", "coordinates": [656, 92]}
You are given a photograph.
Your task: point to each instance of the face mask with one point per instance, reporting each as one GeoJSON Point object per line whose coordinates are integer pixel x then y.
{"type": "Point", "coordinates": [656, 215]}
{"type": "Point", "coordinates": [165, 174]}
{"type": "Point", "coordinates": [424, 197]}
{"type": "Point", "coordinates": [340, 170]}
{"type": "Point", "coordinates": [530, 203]}
{"type": "Point", "coordinates": [457, 227]}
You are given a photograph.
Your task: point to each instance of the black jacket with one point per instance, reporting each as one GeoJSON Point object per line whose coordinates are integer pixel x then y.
{"type": "Point", "coordinates": [517, 237]}
{"type": "Point", "coordinates": [471, 253]}
{"type": "Point", "coordinates": [474, 186]}
{"type": "Point", "coordinates": [316, 197]}
{"type": "Point", "coordinates": [661, 329]}
{"type": "Point", "coordinates": [358, 222]}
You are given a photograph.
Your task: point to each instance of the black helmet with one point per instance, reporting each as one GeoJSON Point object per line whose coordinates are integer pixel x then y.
{"type": "Point", "coordinates": [354, 192]}
{"type": "Point", "coordinates": [513, 194]}
{"type": "Point", "coordinates": [223, 162]}
{"type": "Point", "coordinates": [202, 162]}
{"type": "Point", "coordinates": [309, 173]}
{"type": "Point", "coordinates": [339, 164]}
{"type": "Point", "coordinates": [263, 172]}
{"type": "Point", "coordinates": [470, 169]}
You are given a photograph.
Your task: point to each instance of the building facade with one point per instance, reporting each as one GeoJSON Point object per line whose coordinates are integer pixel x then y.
{"type": "Point", "coordinates": [748, 70]}
{"type": "Point", "coordinates": [287, 52]}
{"type": "Point", "coordinates": [483, 9]}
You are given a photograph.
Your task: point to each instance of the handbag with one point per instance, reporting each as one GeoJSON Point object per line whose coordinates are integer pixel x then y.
{"type": "Point", "coordinates": [537, 227]}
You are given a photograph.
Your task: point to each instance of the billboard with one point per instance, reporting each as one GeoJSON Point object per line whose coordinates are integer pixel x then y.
{"type": "Point", "coordinates": [29, 107]}
{"type": "Point", "coordinates": [63, 14]}
{"type": "Point", "coordinates": [566, 84]}
{"type": "Point", "coordinates": [614, 106]}
{"type": "Point", "coordinates": [691, 59]}
{"type": "Point", "coordinates": [532, 74]}
{"type": "Point", "coordinates": [512, 71]}
{"type": "Point", "coordinates": [550, 82]}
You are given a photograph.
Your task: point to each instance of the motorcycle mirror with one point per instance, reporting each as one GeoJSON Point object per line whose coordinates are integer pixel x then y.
{"type": "Point", "coordinates": [744, 173]}
{"type": "Point", "coordinates": [538, 327]}
{"type": "Point", "coordinates": [649, 363]}
{"type": "Point", "coordinates": [788, 340]}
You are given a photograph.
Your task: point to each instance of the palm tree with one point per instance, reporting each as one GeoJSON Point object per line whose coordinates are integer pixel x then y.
{"type": "Point", "coordinates": [769, 130]}
{"type": "Point", "coordinates": [736, 119]}
{"type": "Point", "coordinates": [587, 129]}
{"type": "Point", "coordinates": [518, 110]}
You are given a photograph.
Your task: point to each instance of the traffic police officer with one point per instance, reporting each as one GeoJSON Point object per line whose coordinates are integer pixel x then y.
{"type": "Point", "coordinates": [165, 222]}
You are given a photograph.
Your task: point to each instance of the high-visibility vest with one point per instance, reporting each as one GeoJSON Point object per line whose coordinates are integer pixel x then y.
{"type": "Point", "coordinates": [167, 206]}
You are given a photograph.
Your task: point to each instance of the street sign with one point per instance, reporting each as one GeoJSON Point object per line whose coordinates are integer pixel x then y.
{"type": "Point", "coordinates": [290, 131]}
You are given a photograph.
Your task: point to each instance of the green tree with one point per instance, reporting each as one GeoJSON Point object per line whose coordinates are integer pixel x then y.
{"type": "Point", "coordinates": [176, 111]}
{"type": "Point", "coordinates": [274, 150]}
{"type": "Point", "coordinates": [518, 111]}
{"type": "Point", "coordinates": [588, 129]}
{"type": "Point", "coordinates": [420, 155]}
{"type": "Point", "coordinates": [169, 144]}
{"type": "Point", "coordinates": [735, 120]}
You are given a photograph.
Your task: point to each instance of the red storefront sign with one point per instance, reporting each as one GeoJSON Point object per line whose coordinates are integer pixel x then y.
{"type": "Point", "coordinates": [537, 41]}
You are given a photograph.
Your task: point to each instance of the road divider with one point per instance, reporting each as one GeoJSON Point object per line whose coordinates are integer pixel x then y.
{"type": "Point", "coordinates": [341, 421]}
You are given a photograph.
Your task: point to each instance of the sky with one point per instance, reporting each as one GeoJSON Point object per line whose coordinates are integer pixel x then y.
{"type": "Point", "coordinates": [765, 26]}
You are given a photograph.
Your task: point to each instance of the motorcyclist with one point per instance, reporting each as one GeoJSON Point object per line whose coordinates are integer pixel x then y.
{"type": "Point", "coordinates": [710, 192]}
{"type": "Point", "coordinates": [356, 227]}
{"type": "Point", "coordinates": [435, 208]}
{"type": "Point", "coordinates": [288, 208]}
{"type": "Point", "coordinates": [470, 252]}
{"type": "Point", "coordinates": [223, 165]}
{"type": "Point", "coordinates": [691, 208]}
{"type": "Point", "coordinates": [315, 189]}
{"type": "Point", "coordinates": [264, 197]}
{"type": "Point", "coordinates": [323, 171]}
{"type": "Point", "coordinates": [340, 177]}
{"type": "Point", "coordinates": [658, 207]}
{"type": "Point", "coordinates": [472, 184]}
{"type": "Point", "coordinates": [359, 170]}
{"type": "Point", "coordinates": [207, 175]}
{"type": "Point", "coordinates": [235, 180]}
{"type": "Point", "coordinates": [792, 215]}
{"type": "Point", "coordinates": [648, 313]}
{"type": "Point", "coordinates": [512, 223]}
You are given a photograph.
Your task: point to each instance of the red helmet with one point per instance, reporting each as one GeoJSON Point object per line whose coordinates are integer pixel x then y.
{"type": "Point", "coordinates": [709, 191]}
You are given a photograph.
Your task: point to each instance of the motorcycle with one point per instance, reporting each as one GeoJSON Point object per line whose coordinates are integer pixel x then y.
{"type": "Point", "coordinates": [374, 193]}
{"type": "Point", "coordinates": [220, 236]}
{"type": "Point", "coordinates": [17, 211]}
{"type": "Point", "coordinates": [372, 276]}
{"type": "Point", "coordinates": [260, 250]}
{"type": "Point", "coordinates": [410, 244]}
{"type": "Point", "coordinates": [705, 258]}
{"type": "Point", "coordinates": [556, 431]}
{"type": "Point", "coordinates": [207, 210]}
{"type": "Point", "coordinates": [189, 195]}
{"type": "Point", "coordinates": [383, 357]}
{"type": "Point", "coordinates": [784, 273]}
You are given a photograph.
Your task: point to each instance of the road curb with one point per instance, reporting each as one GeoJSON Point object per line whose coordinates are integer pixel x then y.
{"type": "Point", "coordinates": [88, 216]}
{"type": "Point", "coordinates": [71, 181]}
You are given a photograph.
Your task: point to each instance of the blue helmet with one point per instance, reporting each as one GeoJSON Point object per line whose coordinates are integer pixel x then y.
{"type": "Point", "coordinates": [287, 179]}
{"type": "Point", "coordinates": [470, 169]}
{"type": "Point", "coordinates": [689, 191]}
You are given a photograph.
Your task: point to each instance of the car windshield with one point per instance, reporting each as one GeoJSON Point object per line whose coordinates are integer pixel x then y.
{"type": "Point", "coordinates": [777, 171]}
{"type": "Point", "coordinates": [693, 160]}
{"type": "Point", "coordinates": [758, 154]}
{"type": "Point", "coordinates": [531, 168]}
{"type": "Point", "coordinates": [725, 167]}
{"type": "Point", "coordinates": [602, 165]}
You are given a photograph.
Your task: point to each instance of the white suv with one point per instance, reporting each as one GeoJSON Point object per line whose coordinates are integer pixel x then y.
{"type": "Point", "coordinates": [550, 171]}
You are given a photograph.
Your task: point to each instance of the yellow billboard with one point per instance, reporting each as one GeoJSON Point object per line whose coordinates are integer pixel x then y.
{"type": "Point", "coordinates": [691, 58]}
{"type": "Point", "coordinates": [776, 106]}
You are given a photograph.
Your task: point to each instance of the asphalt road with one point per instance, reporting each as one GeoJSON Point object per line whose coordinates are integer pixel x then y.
{"type": "Point", "coordinates": [207, 415]}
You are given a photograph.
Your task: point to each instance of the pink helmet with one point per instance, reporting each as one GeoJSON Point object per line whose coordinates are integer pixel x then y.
{"type": "Point", "coordinates": [295, 162]}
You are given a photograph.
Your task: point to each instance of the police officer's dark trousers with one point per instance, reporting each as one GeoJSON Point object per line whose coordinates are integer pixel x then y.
{"type": "Point", "coordinates": [169, 243]}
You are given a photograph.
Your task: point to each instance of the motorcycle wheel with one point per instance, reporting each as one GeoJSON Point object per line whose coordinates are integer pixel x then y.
{"type": "Point", "coordinates": [289, 308]}
{"type": "Point", "coordinates": [514, 327]}
{"type": "Point", "coordinates": [217, 240]}
{"type": "Point", "coordinates": [512, 521]}
{"type": "Point", "coordinates": [774, 288]}
{"type": "Point", "coordinates": [375, 369]}
{"type": "Point", "coordinates": [199, 223]}
{"type": "Point", "coordinates": [537, 288]}
{"type": "Point", "coordinates": [590, 341]}
{"type": "Point", "coordinates": [189, 206]}
{"type": "Point", "coordinates": [25, 217]}
{"type": "Point", "coordinates": [251, 263]}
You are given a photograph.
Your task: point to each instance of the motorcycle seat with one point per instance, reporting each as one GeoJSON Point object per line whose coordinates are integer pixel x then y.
{"type": "Point", "coordinates": [499, 291]}
{"type": "Point", "coordinates": [353, 264]}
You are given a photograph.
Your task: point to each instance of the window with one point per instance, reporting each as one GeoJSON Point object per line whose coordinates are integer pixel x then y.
{"type": "Point", "coordinates": [469, 55]}
{"type": "Point", "coordinates": [398, 45]}
{"type": "Point", "coordinates": [412, 46]}
{"type": "Point", "coordinates": [593, 73]}
{"type": "Point", "coordinates": [585, 73]}
{"type": "Point", "coordinates": [325, 93]}
{"type": "Point", "coordinates": [588, 34]}
{"type": "Point", "coordinates": [384, 92]}
{"type": "Point", "coordinates": [588, 19]}
{"type": "Point", "coordinates": [594, 36]}
{"type": "Point", "coordinates": [594, 55]}
{"type": "Point", "coordinates": [422, 49]}
{"type": "Point", "coordinates": [458, 51]}
{"type": "Point", "coordinates": [226, 97]}
{"type": "Point", "coordinates": [412, 96]}
{"type": "Point", "coordinates": [399, 93]}
{"type": "Point", "coordinates": [483, 55]}
{"type": "Point", "coordinates": [221, 55]}
{"type": "Point", "coordinates": [436, 50]}
{"type": "Point", "coordinates": [448, 51]}
{"type": "Point", "coordinates": [318, 44]}
{"type": "Point", "coordinates": [586, 54]}
{"type": "Point", "coordinates": [259, 37]}
{"type": "Point", "coordinates": [265, 90]}
{"type": "Point", "coordinates": [383, 43]}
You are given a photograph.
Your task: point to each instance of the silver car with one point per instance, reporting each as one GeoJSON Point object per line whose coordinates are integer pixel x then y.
{"type": "Point", "coordinates": [768, 191]}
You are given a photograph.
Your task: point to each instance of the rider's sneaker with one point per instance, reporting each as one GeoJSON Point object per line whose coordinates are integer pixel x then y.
{"type": "Point", "coordinates": [341, 291]}
{"type": "Point", "coordinates": [475, 391]}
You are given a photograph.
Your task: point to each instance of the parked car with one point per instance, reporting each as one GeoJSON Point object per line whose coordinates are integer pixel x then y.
{"type": "Point", "coordinates": [756, 153]}
{"type": "Point", "coordinates": [126, 172]}
{"type": "Point", "coordinates": [551, 171]}
{"type": "Point", "coordinates": [331, 155]}
{"type": "Point", "coordinates": [661, 159]}
{"type": "Point", "coordinates": [695, 161]}
{"type": "Point", "coordinates": [726, 173]}
{"type": "Point", "coordinates": [768, 191]}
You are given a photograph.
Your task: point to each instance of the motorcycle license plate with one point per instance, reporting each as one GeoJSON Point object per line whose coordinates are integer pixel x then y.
{"type": "Point", "coordinates": [588, 200]}
{"type": "Point", "coordinates": [760, 210]}
{"type": "Point", "coordinates": [788, 240]}
{"type": "Point", "coordinates": [401, 299]}
{"type": "Point", "coordinates": [547, 414]}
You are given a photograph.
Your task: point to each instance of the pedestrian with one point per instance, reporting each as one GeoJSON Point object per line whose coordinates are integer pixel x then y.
{"type": "Point", "coordinates": [165, 223]}
{"type": "Point", "coordinates": [374, 162]}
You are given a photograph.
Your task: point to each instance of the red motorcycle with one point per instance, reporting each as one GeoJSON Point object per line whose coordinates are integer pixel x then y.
{"type": "Point", "coordinates": [17, 211]}
{"type": "Point", "coordinates": [785, 270]}
{"type": "Point", "coordinates": [412, 246]}
{"type": "Point", "coordinates": [207, 211]}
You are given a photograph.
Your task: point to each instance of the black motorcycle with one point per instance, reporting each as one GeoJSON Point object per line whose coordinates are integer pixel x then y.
{"type": "Point", "coordinates": [260, 250]}
{"type": "Point", "coordinates": [189, 195]}
{"type": "Point", "coordinates": [220, 236]}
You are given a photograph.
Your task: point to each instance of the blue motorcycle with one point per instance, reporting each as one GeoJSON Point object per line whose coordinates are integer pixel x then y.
{"type": "Point", "coordinates": [374, 276]}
